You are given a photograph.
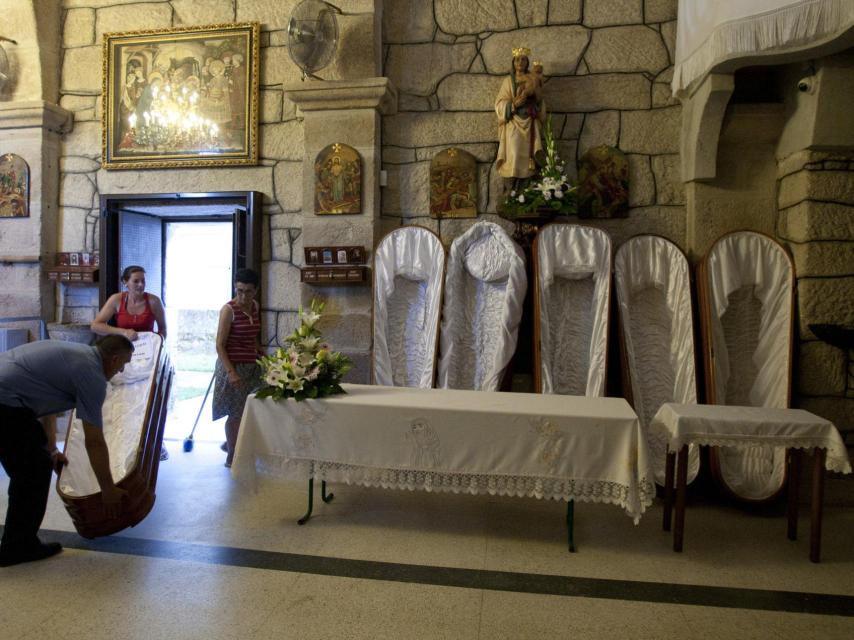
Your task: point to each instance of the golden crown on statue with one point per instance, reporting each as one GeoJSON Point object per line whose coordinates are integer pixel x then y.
{"type": "Point", "coordinates": [521, 51]}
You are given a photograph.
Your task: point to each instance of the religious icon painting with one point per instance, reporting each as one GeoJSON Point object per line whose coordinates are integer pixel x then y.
{"type": "Point", "coordinates": [453, 184]}
{"type": "Point", "coordinates": [14, 187]}
{"type": "Point", "coordinates": [603, 183]}
{"type": "Point", "coordinates": [338, 180]}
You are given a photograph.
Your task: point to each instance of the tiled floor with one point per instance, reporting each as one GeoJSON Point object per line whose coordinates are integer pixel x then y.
{"type": "Point", "coordinates": [215, 561]}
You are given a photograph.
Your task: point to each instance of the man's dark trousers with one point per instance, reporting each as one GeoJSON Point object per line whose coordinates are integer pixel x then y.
{"type": "Point", "coordinates": [28, 464]}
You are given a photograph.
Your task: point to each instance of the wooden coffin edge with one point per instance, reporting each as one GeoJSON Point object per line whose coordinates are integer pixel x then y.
{"type": "Point", "coordinates": [87, 512]}
{"type": "Point", "coordinates": [708, 358]}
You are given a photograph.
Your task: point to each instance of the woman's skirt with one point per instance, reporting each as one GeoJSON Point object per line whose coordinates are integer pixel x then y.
{"type": "Point", "coordinates": [228, 400]}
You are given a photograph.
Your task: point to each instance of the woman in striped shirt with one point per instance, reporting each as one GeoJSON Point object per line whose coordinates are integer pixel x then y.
{"type": "Point", "coordinates": [238, 346]}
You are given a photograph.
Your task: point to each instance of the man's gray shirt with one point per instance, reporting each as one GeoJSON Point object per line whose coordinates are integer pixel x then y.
{"type": "Point", "coordinates": [50, 376]}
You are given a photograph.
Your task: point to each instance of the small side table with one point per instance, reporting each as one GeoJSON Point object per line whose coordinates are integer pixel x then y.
{"type": "Point", "coordinates": [730, 426]}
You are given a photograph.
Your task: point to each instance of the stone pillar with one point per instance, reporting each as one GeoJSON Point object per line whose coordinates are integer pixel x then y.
{"type": "Point", "coordinates": [345, 111]}
{"type": "Point", "coordinates": [32, 130]}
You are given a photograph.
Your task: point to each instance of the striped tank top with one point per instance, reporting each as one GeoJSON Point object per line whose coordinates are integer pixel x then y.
{"type": "Point", "coordinates": [242, 339]}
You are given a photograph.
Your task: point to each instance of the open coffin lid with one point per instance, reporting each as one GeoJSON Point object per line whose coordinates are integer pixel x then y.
{"type": "Point", "coordinates": [485, 285]}
{"type": "Point", "coordinates": [409, 266]}
{"type": "Point", "coordinates": [572, 267]}
{"type": "Point", "coordinates": [653, 281]}
{"type": "Point", "coordinates": [745, 285]}
{"type": "Point", "coordinates": [134, 414]}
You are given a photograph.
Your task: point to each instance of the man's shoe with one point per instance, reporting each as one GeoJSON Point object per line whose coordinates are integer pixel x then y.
{"type": "Point", "coordinates": [164, 454]}
{"type": "Point", "coordinates": [224, 447]}
{"type": "Point", "coordinates": [29, 554]}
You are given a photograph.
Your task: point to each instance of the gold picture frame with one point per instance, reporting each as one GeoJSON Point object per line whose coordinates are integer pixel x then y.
{"type": "Point", "coordinates": [183, 97]}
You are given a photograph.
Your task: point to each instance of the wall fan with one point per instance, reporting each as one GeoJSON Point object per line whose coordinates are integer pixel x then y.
{"type": "Point", "coordinates": [313, 36]}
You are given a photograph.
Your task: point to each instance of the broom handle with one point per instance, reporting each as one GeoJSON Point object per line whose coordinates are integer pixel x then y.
{"type": "Point", "coordinates": [205, 399]}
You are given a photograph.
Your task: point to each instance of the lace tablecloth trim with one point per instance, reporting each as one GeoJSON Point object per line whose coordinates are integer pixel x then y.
{"type": "Point", "coordinates": [598, 491]}
{"type": "Point", "coordinates": [836, 460]}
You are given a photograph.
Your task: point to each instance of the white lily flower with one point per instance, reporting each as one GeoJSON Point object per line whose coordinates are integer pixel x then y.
{"type": "Point", "coordinates": [310, 318]}
{"type": "Point", "coordinates": [522, 198]}
{"type": "Point", "coordinates": [547, 195]}
{"type": "Point", "coordinates": [309, 344]}
{"type": "Point", "coordinates": [295, 384]}
{"type": "Point", "coordinates": [558, 193]}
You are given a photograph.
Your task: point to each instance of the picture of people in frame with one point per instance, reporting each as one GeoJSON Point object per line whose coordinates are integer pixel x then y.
{"type": "Point", "coordinates": [342, 256]}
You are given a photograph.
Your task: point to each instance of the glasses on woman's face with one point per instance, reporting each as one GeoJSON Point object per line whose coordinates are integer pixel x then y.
{"type": "Point", "coordinates": [244, 290]}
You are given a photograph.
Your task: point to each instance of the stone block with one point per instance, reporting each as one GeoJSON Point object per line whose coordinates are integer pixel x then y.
{"type": "Point", "coordinates": [333, 230]}
{"type": "Point", "coordinates": [824, 259]}
{"type": "Point", "coordinates": [840, 411]}
{"type": "Point", "coordinates": [565, 12]}
{"type": "Point", "coordinates": [76, 190]}
{"type": "Point", "coordinates": [809, 220]}
{"type": "Point", "coordinates": [272, 14]}
{"type": "Point", "coordinates": [825, 301]}
{"type": "Point", "coordinates": [287, 182]}
{"type": "Point", "coordinates": [280, 245]}
{"type": "Point", "coordinates": [660, 10]}
{"type": "Point", "coordinates": [417, 68]}
{"type": "Point", "coordinates": [77, 164]}
{"type": "Point", "coordinates": [821, 369]}
{"type": "Point", "coordinates": [662, 95]}
{"type": "Point", "coordinates": [349, 332]}
{"type": "Point", "coordinates": [572, 126]}
{"type": "Point", "coordinates": [532, 13]}
{"type": "Point", "coordinates": [424, 129]}
{"type": "Point", "coordinates": [84, 140]}
{"type": "Point", "coordinates": [356, 38]}
{"type": "Point", "coordinates": [626, 49]}
{"type": "Point", "coordinates": [281, 141]}
{"type": "Point", "coordinates": [286, 323]}
{"type": "Point", "coordinates": [277, 67]}
{"type": "Point", "coordinates": [72, 224]}
{"type": "Point", "coordinates": [280, 282]}
{"type": "Point", "coordinates": [408, 190]}
{"type": "Point", "coordinates": [397, 155]}
{"type": "Point", "coordinates": [668, 222]}
{"type": "Point", "coordinates": [136, 17]}
{"type": "Point", "coordinates": [559, 48]}
{"type": "Point", "coordinates": [79, 28]}
{"type": "Point", "coordinates": [470, 92]}
{"type": "Point", "coordinates": [482, 152]}
{"type": "Point", "coordinates": [76, 104]}
{"type": "Point", "coordinates": [668, 179]}
{"type": "Point", "coordinates": [271, 106]}
{"type": "Point", "coordinates": [200, 180]}
{"type": "Point", "coordinates": [653, 132]}
{"type": "Point", "coordinates": [602, 127]}
{"type": "Point", "coordinates": [597, 92]}
{"type": "Point", "coordinates": [459, 17]}
{"type": "Point", "coordinates": [77, 70]}
{"type": "Point", "coordinates": [406, 102]}
{"type": "Point", "coordinates": [641, 181]}
{"type": "Point", "coordinates": [342, 301]}
{"type": "Point", "coordinates": [604, 13]}
{"type": "Point", "coordinates": [361, 371]}
{"type": "Point", "coordinates": [405, 21]}
{"type": "Point", "coordinates": [832, 186]}
{"type": "Point", "coordinates": [193, 12]}
{"type": "Point", "coordinates": [668, 34]}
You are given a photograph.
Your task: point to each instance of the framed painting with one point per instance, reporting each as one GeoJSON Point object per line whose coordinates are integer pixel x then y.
{"type": "Point", "coordinates": [338, 180]}
{"type": "Point", "coordinates": [14, 186]}
{"type": "Point", "coordinates": [184, 97]}
{"type": "Point", "coordinates": [453, 184]}
{"type": "Point", "coordinates": [603, 183]}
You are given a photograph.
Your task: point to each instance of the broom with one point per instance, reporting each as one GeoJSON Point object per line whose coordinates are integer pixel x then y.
{"type": "Point", "coordinates": [188, 441]}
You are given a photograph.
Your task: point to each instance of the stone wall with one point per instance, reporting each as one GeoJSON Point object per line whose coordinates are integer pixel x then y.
{"type": "Point", "coordinates": [279, 172]}
{"type": "Point", "coordinates": [608, 65]}
{"type": "Point", "coordinates": [816, 219]}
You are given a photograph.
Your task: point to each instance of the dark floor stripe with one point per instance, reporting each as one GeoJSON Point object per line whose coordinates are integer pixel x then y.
{"type": "Point", "coordinates": [629, 590]}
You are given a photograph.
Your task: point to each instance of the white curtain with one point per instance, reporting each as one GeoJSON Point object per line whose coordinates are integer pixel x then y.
{"type": "Point", "coordinates": [710, 32]}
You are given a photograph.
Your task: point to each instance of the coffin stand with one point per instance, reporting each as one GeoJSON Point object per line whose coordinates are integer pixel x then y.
{"type": "Point", "coordinates": [745, 287]}
{"type": "Point", "coordinates": [134, 416]}
{"type": "Point", "coordinates": [485, 285]}
{"type": "Point", "coordinates": [409, 267]}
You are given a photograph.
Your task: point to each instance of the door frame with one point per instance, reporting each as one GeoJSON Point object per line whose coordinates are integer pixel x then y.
{"type": "Point", "coordinates": [112, 206]}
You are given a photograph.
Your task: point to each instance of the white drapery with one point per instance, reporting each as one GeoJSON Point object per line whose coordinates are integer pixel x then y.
{"type": "Point", "coordinates": [709, 33]}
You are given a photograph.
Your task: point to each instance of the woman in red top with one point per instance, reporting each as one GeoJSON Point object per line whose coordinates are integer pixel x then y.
{"type": "Point", "coordinates": [238, 346]}
{"type": "Point", "coordinates": [134, 310]}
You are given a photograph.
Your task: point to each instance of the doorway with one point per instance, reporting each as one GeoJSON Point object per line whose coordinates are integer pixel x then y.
{"type": "Point", "coordinates": [189, 245]}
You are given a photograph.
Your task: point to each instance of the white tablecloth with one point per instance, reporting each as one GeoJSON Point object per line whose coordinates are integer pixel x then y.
{"type": "Point", "coordinates": [544, 446]}
{"type": "Point", "coordinates": [741, 427]}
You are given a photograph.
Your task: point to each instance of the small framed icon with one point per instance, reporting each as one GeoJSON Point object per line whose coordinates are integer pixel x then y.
{"type": "Point", "coordinates": [342, 256]}
{"type": "Point", "coordinates": [313, 257]}
{"type": "Point", "coordinates": [85, 259]}
{"type": "Point", "coordinates": [74, 259]}
{"type": "Point", "coordinates": [327, 256]}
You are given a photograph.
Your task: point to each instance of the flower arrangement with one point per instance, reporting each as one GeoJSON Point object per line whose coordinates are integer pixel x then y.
{"type": "Point", "coordinates": [549, 192]}
{"type": "Point", "coordinates": [306, 368]}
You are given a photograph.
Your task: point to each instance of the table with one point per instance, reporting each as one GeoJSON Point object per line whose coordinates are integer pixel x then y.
{"type": "Point", "coordinates": [732, 426]}
{"type": "Point", "coordinates": [544, 446]}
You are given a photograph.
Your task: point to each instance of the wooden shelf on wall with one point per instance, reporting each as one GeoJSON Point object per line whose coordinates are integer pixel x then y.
{"type": "Point", "coordinates": [70, 274]}
{"type": "Point", "coordinates": [345, 275]}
